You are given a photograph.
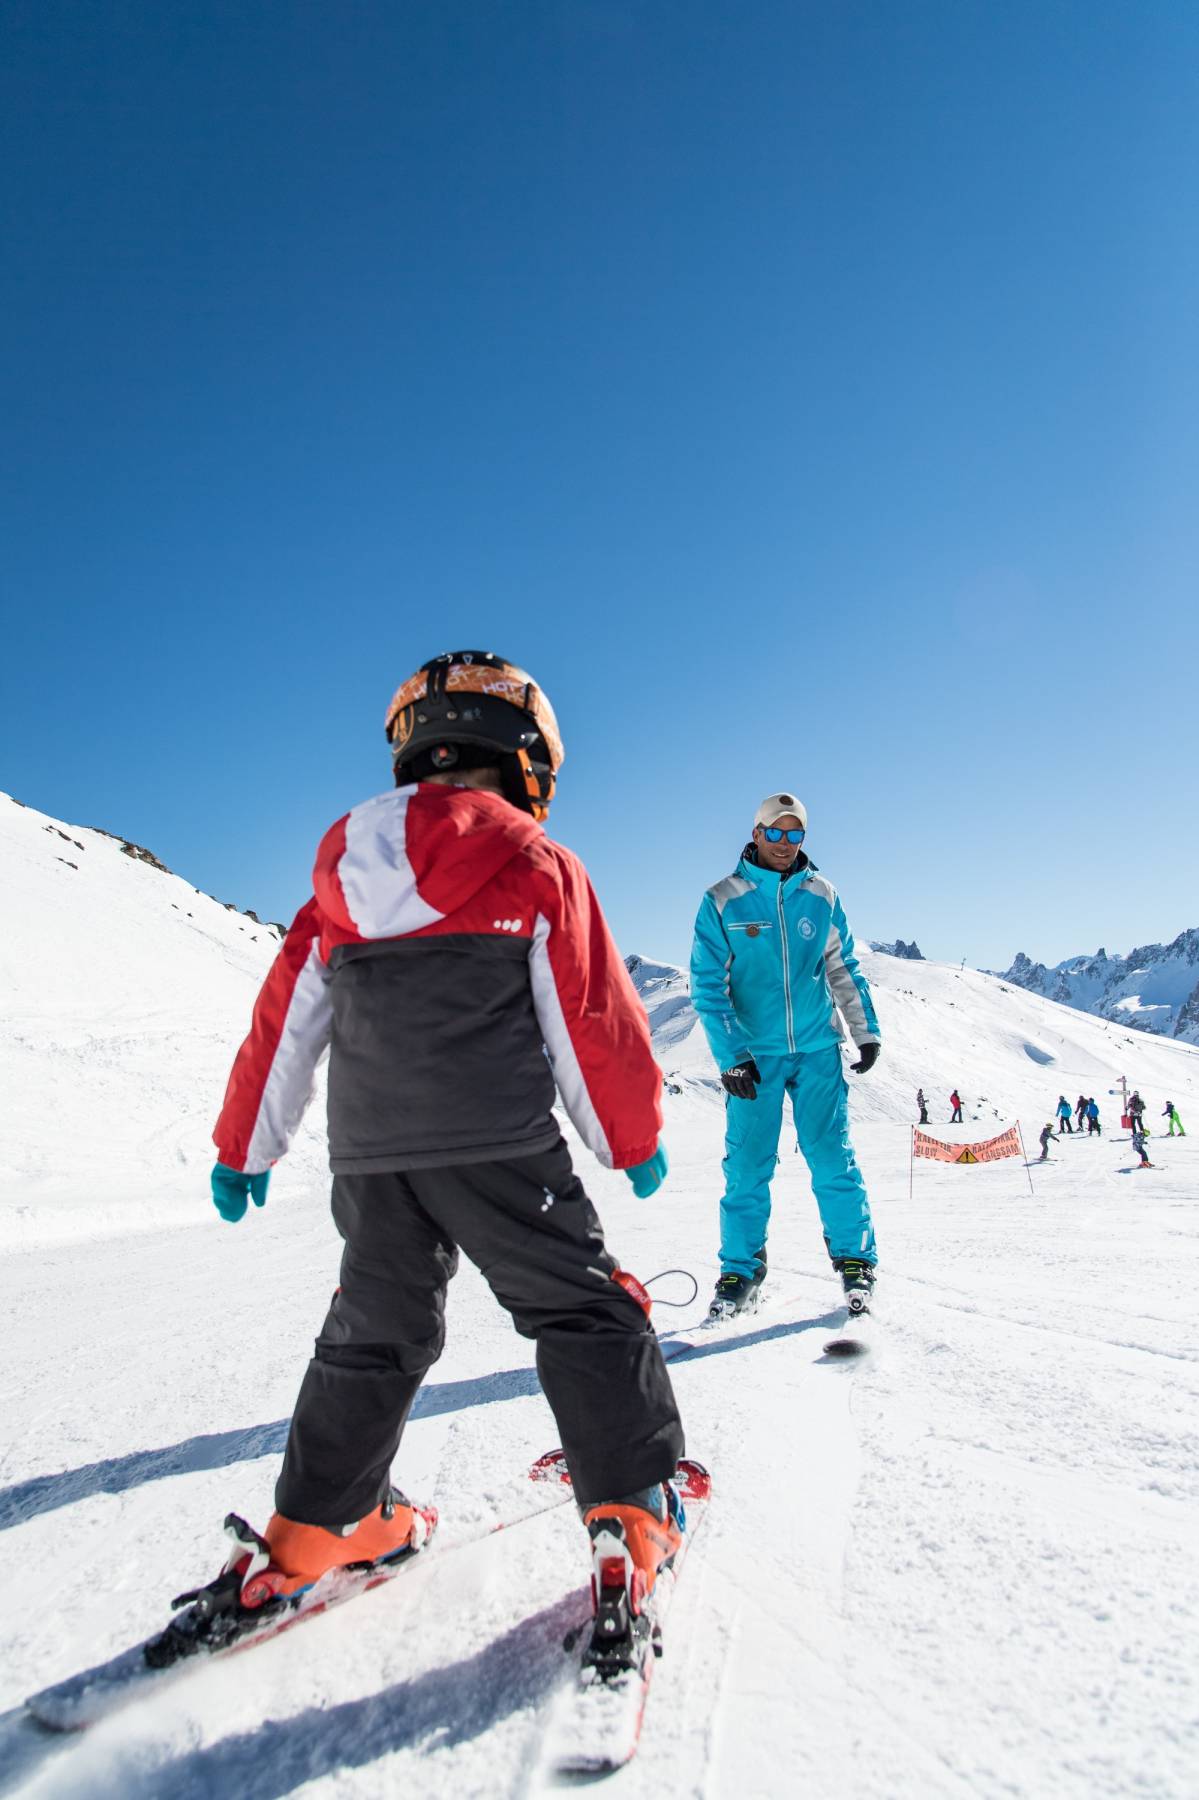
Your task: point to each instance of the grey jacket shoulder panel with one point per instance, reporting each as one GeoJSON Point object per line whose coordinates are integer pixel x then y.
{"type": "Point", "coordinates": [819, 885]}
{"type": "Point", "coordinates": [731, 888]}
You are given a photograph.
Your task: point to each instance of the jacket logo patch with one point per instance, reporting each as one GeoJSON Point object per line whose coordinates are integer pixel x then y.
{"type": "Point", "coordinates": [508, 924]}
{"type": "Point", "coordinates": [806, 928]}
{"type": "Point", "coordinates": [752, 930]}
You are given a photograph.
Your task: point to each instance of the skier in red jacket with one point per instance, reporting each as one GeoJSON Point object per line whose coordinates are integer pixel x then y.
{"type": "Point", "coordinates": [449, 947]}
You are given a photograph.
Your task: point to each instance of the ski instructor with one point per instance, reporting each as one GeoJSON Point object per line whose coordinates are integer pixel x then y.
{"type": "Point", "coordinates": [455, 963]}
{"type": "Point", "coordinates": [771, 965]}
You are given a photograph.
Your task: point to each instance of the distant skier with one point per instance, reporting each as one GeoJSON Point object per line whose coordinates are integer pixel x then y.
{"type": "Point", "coordinates": [1139, 1136]}
{"type": "Point", "coordinates": [922, 1103]}
{"type": "Point", "coordinates": [1063, 1117]}
{"type": "Point", "coordinates": [1046, 1140]}
{"type": "Point", "coordinates": [1171, 1112]}
{"type": "Point", "coordinates": [1093, 1124]}
{"type": "Point", "coordinates": [1136, 1109]}
{"type": "Point", "coordinates": [772, 964]}
{"type": "Point", "coordinates": [450, 944]}
{"type": "Point", "coordinates": [955, 1100]}
{"type": "Point", "coordinates": [1080, 1110]}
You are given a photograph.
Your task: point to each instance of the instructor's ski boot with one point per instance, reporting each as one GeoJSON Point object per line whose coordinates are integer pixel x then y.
{"type": "Point", "coordinates": [632, 1541]}
{"type": "Point", "coordinates": [857, 1278]}
{"type": "Point", "coordinates": [738, 1293]}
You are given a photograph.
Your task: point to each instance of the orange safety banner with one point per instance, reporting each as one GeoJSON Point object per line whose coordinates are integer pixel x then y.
{"type": "Point", "coordinates": [990, 1150]}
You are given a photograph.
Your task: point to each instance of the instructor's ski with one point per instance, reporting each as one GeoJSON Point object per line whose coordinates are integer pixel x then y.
{"type": "Point", "coordinates": [856, 1338]}
{"type": "Point", "coordinates": [705, 1336]}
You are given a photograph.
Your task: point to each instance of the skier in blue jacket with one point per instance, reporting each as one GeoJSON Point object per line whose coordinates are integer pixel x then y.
{"type": "Point", "coordinates": [771, 965]}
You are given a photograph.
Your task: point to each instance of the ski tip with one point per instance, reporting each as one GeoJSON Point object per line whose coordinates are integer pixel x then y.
{"type": "Point", "coordinates": [693, 1480]}
{"type": "Point", "coordinates": [588, 1768]}
{"type": "Point", "coordinates": [552, 1467]}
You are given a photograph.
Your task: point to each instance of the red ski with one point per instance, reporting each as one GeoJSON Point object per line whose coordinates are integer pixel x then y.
{"type": "Point", "coordinates": [598, 1727]}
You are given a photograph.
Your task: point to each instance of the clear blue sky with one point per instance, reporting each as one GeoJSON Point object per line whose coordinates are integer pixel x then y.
{"type": "Point", "coordinates": [806, 394]}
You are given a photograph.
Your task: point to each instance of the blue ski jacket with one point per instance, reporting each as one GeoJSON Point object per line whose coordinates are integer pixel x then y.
{"type": "Point", "coordinates": [773, 961]}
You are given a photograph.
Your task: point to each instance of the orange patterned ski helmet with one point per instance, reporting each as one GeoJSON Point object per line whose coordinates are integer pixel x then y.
{"type": "Point", "coordinates": [472, 697]}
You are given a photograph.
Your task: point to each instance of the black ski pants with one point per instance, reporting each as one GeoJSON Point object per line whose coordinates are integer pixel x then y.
{"type": "Point", "coordinates": [530, 1228]}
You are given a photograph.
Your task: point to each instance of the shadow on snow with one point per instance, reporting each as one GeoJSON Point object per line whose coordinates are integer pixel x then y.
{"type": "Point", "coordinates": [220, 1449]}
{"type": "Point", "coordinates": [721, 1342]}
{"type": "Point", "coordinates": [431, 1712]}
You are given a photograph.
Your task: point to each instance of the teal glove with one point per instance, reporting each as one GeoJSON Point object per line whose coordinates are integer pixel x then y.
{"type": "Point", "coordinates": [229, 1190]}
{"type": "Point", "coordinates": [647, 1177]}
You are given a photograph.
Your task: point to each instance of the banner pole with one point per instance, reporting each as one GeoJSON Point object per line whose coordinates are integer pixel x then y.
{"type": "Point", "coordinates": [1032, 1190]}
{"type": "Point", "coordinates": [911, 1164]}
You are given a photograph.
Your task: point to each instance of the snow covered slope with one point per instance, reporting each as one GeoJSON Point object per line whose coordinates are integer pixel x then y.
{"type": "Point", "coordinates": [1008, 1052]}
{"type": "Point", "coordinates": [1154, 988]}
{"type": "Point", "coordinates": [123, 992]}
{"type": "Point", "coordinates": [966, 1568]}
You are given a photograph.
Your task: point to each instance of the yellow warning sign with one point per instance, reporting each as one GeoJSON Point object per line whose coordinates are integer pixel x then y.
{"type": "Point", "coordinates": [966, 1156]}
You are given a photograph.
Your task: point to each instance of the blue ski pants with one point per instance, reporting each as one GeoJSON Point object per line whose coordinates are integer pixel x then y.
{"type": "Point", "coordinates": [815, 1085]}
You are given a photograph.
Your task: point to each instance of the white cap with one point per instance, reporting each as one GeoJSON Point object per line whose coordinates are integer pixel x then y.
{"type": "Point", "coordinates": [776, 805]}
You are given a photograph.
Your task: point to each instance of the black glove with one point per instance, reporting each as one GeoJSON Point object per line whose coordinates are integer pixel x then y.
{"type": "Point", "coordinates": [742, 1082]}
{"type": "Point", "coordinates": [869, 1056]}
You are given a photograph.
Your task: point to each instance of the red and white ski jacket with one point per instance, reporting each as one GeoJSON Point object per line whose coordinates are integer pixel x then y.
{"type": "Point", "coordinates": [450, 947]}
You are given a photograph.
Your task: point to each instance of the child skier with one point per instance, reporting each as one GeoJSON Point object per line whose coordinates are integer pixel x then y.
{"type": "Point", "coordinates": [449, 945]}
{"type": "Point", "coordinates": [922, 1103]}
{"type": "Point", "coordinates": [1093, 1124]}
{"type": "Point", "coordinates": [1170, 1111]}
{"type": "Point", "coordinates": [1046, 1140]}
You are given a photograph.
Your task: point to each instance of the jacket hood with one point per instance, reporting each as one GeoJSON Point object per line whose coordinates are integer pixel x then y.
{"type": "Point", "coordinates": [413, 856]}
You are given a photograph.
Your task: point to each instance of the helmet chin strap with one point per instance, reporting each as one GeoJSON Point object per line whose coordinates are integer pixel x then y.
{"type": "Point", "coordinates": [526, 789]}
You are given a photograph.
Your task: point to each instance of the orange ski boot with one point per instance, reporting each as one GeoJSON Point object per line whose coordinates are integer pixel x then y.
{"type": "Point", "coordinates": [632, 1541]}
{"type": "Point", "coordinates": [262, 1585]}
{"type": "Point", "coordinates": [300, 1554]}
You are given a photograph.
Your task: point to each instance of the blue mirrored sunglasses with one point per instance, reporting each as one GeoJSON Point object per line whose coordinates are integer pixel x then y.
{"type": "Point", "coordinates": [773, 833]}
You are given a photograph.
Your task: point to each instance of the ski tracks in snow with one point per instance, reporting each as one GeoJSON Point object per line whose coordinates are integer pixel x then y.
{"type": "Point", "coordinates": [758, 1627]}
{"type": "Point", "coordinates": [1032, 1468]}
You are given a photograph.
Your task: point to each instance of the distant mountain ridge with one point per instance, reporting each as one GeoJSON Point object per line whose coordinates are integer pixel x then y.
{"type": "Point", "coordinates": [1154, 988]}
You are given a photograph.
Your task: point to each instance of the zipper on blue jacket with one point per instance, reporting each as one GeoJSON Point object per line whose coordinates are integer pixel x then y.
{"type": "Point", "coordinates": [786, 976]}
